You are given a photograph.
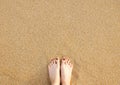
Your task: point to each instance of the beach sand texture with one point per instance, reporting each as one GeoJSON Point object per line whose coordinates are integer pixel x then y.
{"type": "Point", "coordinates": [34, 31]}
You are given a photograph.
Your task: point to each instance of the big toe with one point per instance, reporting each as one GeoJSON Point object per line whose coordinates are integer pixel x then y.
{"type": "Point", "coordinates": [58, 60]}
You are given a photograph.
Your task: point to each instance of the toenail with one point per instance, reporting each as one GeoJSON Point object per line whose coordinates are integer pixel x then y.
{"type": "Point", "coordinates": [63, 58]}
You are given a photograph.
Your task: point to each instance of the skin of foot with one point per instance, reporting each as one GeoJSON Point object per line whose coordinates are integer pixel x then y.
{"type": "Point", "coordinates": [66, 71]}
{"type": "Point", "coordinates": [54, 71]}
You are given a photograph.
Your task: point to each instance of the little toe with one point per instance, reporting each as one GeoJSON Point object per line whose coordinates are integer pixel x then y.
{"type": "Point", "coordinates": [49, 65]}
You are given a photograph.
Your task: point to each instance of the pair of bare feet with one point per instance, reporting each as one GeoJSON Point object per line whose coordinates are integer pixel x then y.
{"type": "Point", "coordinates": [60, 71]}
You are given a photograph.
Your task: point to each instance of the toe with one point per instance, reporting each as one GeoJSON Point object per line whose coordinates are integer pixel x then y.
{"type": "Point", "coordinates": [49, 65]}
{"type": "Point", "coordinates": [53, 60]}
{"type": "Point", "coordinates": [67, 60]}
{"type": "Point", "coordinates": [63, 60]}
{"type": "Point", "coordinates": [57, 61]}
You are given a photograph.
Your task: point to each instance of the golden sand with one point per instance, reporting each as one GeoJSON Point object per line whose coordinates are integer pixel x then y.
{"type": "Point", "coordinates": [33, 31]}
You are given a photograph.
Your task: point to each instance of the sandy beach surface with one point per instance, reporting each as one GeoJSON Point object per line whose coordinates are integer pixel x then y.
{"type": "Point", "coordinates": [34, 31]}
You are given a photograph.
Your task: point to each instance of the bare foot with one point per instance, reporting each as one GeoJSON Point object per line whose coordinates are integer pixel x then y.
{"type": "Point", "coordinates": [54, 71]}
{"type": "Point", "coordinates": [66, 71]}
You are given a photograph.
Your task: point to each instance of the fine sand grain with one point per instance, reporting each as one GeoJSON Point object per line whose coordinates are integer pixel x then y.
{"type": "Point", "coordinates": [34, 31]}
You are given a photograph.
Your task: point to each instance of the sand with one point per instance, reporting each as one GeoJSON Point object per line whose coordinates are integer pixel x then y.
{"type": "Point", "coordinates": [34, 31]}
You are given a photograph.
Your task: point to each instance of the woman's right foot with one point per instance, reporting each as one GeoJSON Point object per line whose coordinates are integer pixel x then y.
{"type": "Point", "coordinates": [66, 71]}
